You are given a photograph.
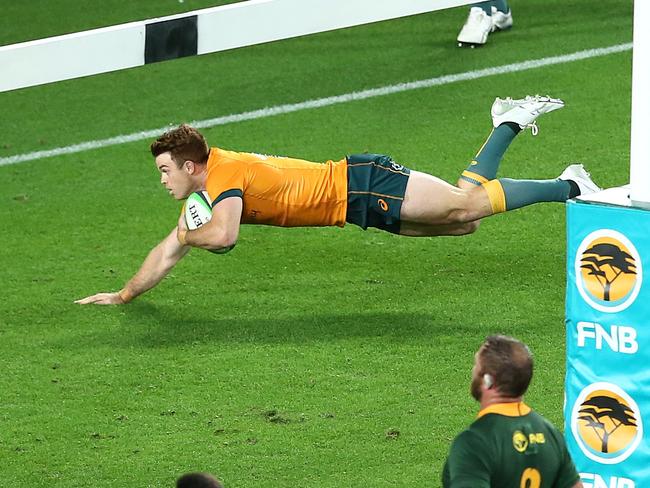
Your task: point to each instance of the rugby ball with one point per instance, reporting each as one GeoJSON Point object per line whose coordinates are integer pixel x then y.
{"type": "Point", "coordinates": [198, 211]}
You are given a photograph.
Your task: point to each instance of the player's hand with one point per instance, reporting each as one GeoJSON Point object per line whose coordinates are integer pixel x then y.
{"type": "Point", "coordinates": [102, 299]}
{"type": "Point", "coordinates": [182, 225]}
{"type": "Point", "coordinates": [181, 230]}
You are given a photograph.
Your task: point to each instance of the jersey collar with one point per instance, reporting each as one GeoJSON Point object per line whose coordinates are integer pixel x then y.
{"type": "Point", "coordinates": [512, 409]}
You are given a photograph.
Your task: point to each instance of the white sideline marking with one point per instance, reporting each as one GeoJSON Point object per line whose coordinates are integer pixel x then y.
{"type": "Point", "coordinates": [322, 102]}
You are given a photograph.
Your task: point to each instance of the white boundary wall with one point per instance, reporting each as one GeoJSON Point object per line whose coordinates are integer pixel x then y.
{"type": "Point", "coordinates": [640, 135]}
{"type": "Point", "coordinates": [217, 29]}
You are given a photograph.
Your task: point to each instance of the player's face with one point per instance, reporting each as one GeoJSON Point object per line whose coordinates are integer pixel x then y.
{"type": "Point", "coordinates": [177, 181]}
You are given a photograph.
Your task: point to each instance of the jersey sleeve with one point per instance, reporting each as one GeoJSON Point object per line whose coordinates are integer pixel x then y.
{"type": "Point", "coordinates": [225, 180]}
{"type": "Point", "coordinates": [467, 464]}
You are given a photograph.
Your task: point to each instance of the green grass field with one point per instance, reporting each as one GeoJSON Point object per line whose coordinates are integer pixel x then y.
{"type": "Point", "coordinates": [306, 357]}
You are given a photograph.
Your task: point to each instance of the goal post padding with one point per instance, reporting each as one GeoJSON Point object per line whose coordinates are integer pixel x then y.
{"type": "Point", "coordinates": [607, 403]}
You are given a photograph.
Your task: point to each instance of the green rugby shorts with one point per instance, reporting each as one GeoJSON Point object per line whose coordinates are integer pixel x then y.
{"type": "Point", "coordinates": [376, 188]}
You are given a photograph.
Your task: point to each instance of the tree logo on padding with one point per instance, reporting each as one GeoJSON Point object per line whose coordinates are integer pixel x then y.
{"type": "Point", "coordinates": [608, 270]}
{"type": "Point", "coordinates": [606, 423]}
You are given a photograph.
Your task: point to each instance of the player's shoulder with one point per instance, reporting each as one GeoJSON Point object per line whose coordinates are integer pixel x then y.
{"type": "Point", "coordinates": [539, 418]}
{"type": "Point", "coordinates": [470, 439]}
{"type": "Point", "coordinates": [550, 428]}
{"type": "Point", "coordinates": [219, 156]}
{"type": "Point", "coordinates": [495, 424]}
{"type": "Point", "coordinates": [224, 162]}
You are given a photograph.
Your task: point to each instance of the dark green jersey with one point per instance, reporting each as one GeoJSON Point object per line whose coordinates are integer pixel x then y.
{"type": "Point", "coordinates": [509, 446]}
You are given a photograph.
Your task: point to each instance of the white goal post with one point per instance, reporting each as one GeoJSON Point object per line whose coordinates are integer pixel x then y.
{"type": "Point", "coordinates": [640, 131]}
{"type": "Point", "coordinates": [199, 32]}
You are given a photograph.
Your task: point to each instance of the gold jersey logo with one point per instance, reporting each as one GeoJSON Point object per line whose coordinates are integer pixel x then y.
{"type": "Point", "coordinates": [519, 441]}
{"type": "Point", "coordinates": [606, 423]}
{"type": "Point", "coordinates": [608, 270]}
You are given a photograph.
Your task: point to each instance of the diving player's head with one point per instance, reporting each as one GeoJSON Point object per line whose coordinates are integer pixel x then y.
{"type": "Point", "coordinates": [181, 156]}
{"type": "Point", "coordinates": [503, 367]}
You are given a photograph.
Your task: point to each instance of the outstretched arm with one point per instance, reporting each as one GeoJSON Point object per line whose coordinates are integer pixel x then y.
{"type": "Point", "coordinates": [155, 267]}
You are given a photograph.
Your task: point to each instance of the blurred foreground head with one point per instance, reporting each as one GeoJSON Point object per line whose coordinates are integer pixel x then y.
{"type": "Point", "coordinates": [198, 480]}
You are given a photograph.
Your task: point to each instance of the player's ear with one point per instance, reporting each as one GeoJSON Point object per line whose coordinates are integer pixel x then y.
{"type": "Point", "coordinates": [189, 166]}
{"type": "Point", "coordinates": [488, 381]}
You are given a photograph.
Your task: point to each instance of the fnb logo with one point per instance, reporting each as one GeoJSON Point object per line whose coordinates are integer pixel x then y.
{"type": "Point", "coordinates": [606, 423]}
{"type": "Point", "coordinates": [618, 338]}
{"type": "Point", "coordinates": [608, 271]}
{"type": "Point", "coordinates": [521, 442]}
{"type": "Point", "coordinates": [592, 480]}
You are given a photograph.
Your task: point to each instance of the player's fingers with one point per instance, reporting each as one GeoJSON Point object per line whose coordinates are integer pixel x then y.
{"type": "Point", "coordinates": [83, 301]}
{"type": "Point", "coordinates": [90, 299]}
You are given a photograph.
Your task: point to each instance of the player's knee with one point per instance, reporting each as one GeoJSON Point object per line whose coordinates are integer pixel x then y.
{"type": "Point", "coordinates": [465, 228]}
{"type": "Point", "coordinates": [466, 211]}
{"type": "Point", "coordinates": [461, 216]}
{"type": "Point", "coordinates": [471, 227]}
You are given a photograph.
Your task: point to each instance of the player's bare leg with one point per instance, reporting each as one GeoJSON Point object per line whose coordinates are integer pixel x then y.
{"type": "Point", "coordinates": [430, 201]}
{"type": "Point", "coordinates": [432, 207]}
{"type": "Point", "coordinates": [421, 230]}
{"type": "Point", "coordinates": [509, 117]}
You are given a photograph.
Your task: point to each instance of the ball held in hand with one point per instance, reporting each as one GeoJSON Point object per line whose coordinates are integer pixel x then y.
{"type": "Point", "coordinates": [198, 211]}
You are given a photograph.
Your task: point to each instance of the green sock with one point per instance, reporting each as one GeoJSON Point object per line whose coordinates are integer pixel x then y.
{"type": "Point", "coordinates": [486, 6]}
{"type": "Point", "coordinates": [507, 194]}
{"type": "Point", "coordinates": [501, 6]}
{"type": "Point", "coordinates": [519, 193]}
{"type": "Point", "coordinates": [486, 162]}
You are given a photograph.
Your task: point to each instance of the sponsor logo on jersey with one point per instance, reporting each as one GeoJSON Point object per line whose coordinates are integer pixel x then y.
{"type": "Point", "coordinates": [521, 441]}
{"type": "Point", "coordinates": [608, 271]}
{"type": "Point", "coordinates": [606, 423]}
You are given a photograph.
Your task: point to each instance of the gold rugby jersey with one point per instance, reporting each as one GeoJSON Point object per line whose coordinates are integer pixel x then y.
{"type": "Point", "coordinates": [280, 191]}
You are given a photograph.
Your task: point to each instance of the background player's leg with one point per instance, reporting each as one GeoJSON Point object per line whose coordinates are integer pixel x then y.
{"type": "Point", "coordinates": [486, 6]}
{"type": "Point", "coordinates": [484, 18]}
{"type": "Point", "coordinates": [501, 6]}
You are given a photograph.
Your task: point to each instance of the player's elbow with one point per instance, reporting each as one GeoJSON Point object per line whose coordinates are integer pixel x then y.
{"type": "Point", "coordinates": [228, 242]}
{"type": "Point", "coordinates": [223, 240]}
{"type": "Point", "coordinates": [213, 237]}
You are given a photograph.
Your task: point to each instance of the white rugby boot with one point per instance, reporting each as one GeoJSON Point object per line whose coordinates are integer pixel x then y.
{"type": "Point", "coordinates": [501, 21]}
{"type": "Point", "coordinates": [476, 29]}
{"type": "Point", "coordinates": [524, 111]}
{"type": "Point", "coordinates": [578, 174]}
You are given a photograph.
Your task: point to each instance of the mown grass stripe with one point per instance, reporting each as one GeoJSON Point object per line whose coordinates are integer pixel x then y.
{"type": "Point", "coordinates": [324, 102]}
